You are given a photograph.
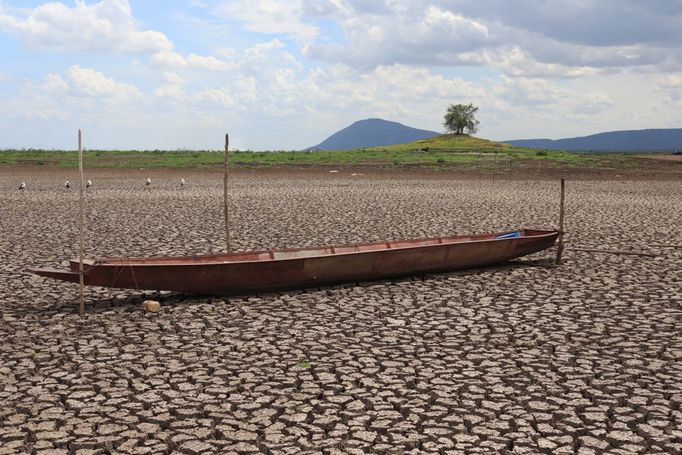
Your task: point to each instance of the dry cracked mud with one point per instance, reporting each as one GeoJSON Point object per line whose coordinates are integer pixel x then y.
{"type": "Point", "coordinates": [521, 358]}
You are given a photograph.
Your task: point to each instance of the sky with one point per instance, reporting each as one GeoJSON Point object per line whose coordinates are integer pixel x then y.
{"type": "Point", "coordinates": [286, 74]}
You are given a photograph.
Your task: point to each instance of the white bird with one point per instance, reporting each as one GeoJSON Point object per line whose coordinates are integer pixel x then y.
{"type": "Point", "coordinates": [67, 185]}
{"type": "Point", "coordinates": [22, 186]}
{"type": "Point", "coordinates": [182, 183]}
{"type": "Point", "coordinates": [147, 181]}
{"type": "Point", "coordinates": [88, 184]}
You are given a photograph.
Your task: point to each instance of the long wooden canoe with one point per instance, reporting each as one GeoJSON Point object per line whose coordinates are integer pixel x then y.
{"type": "Point", "coordinates": [268, 270]}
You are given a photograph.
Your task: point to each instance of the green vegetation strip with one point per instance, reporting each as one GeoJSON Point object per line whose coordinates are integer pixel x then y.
{"type": "Point", "coordinates": [444, 150]}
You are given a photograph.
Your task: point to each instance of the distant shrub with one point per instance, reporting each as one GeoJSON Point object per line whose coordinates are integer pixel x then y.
{"type": "Point", "coordinates": [440, 160]}
{"type": "Point", "coordinates": [541, 153]}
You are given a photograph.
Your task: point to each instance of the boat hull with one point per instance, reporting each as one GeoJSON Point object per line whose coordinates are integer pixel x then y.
{"type": "Point", "coordinates": [243, 273]}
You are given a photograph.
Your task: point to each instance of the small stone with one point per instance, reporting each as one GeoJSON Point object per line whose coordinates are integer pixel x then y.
{"type": "Point", "coordinates": [151, 305]}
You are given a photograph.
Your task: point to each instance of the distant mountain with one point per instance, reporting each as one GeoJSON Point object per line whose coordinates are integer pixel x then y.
{"type": "Point", "coordinates": [632, 140]}
{"type": "Point", "coordinates": [372, 132]}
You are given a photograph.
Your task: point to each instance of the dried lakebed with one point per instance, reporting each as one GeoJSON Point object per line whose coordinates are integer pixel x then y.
{"type": "Point", "coordinates": [521, 358]}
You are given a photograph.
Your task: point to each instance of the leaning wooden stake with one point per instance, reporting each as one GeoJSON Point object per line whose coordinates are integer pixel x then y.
{"type": "Point", "coordinates": [665, 245]}
{"type": "Point", "coordinates": [227, 221]}
{"type": "Point", "coordinates": [560, 248]}
{"type": "Point", "coordinates": [82, 229]}
{"type": "Point", "coordinates": [625, 252]}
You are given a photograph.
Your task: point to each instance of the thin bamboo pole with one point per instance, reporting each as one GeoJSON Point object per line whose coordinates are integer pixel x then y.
{"type": "Point", "coordinates": [560, 248]}
{"type": "Point", "coordinates": [625, 252]}
{"type": "Point", "coordinates": [82, 229]}
{"type": "Point", "coordinates": [226, 211]}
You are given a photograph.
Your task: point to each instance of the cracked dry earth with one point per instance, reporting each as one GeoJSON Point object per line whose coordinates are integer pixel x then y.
{"type": "Point", "coordinates": [525, 357]}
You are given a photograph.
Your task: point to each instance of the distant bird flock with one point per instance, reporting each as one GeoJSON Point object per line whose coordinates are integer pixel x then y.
{"type": "Point", "coordinates": [88, 184]}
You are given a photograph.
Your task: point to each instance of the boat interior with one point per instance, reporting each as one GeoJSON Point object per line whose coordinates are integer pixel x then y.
{"type": "Point", "coordinates": [293, 253]}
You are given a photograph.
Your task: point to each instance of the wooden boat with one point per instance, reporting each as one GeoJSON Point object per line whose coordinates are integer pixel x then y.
{"type": "Point", "coordinates": [269, 270]}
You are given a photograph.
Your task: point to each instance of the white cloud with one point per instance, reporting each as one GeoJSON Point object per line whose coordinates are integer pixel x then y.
{"type": "Point", "coordinates": [671, 86]}
{"type": "Point", "coordinates": [539, 93]}
{"type": "Point", "coordinates": [37, 102]}
{"type": "Point", "coordinates": [534, 38]}
{"type": "Point", "coordinates": [247, 89]}
{"type": "Point", "coordinates": [254, 59]}
{"type": "Point", "coordinates": [321, 8]}
{"type": "Point", "coordinates": [92, 83]}
{"type": "Point", "coordinates": [173, 78]}
{"type": "Point", "coordinates": [671, 81]}
{"type": "Point", "coordinates": [591, 23]}
{"type": "Point", "coordinates": [106, 26]}
{"type": "Point", "coordinates": [169, 59]}
{"type": "Point", "coordinates": [370, 6]}
{"type": "Point", "coordinates": [34, 107]}
{"type": "Point", "coordinates": [264, 48]}
{"type": "Point", "coordinates": [170, 91]}
{"type": "Point", "coordinates": [54, 84]}
{"type": "Point", "coordinates": [432, 36]}
{"type": "Point", "coordinates": [209, 63]}
{"type": "Point", "coordinates": [221, 97]}
{"type": "Point", "coordinates": [273, 17]}
{"type": "Point", "coordinates": [516, 61]}
{"type": "Point", "coordinates": [518, 105]}
{"type": "Point", "coordinates": [225, 52]}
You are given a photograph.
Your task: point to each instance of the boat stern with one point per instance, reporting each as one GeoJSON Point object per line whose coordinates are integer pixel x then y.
{"type": "Point", "coordinates": [57, 274]}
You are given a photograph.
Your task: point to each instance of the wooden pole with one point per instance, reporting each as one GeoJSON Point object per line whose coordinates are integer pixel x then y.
{"type": "Point", "coordinates": [82, 229]}
{"type": "Point", "coordinates": [560, 248]}
{"type": "Point", "coordinates": [494, 166]}
{"type": "Point", "coordinates": [664, 245]}
{"type": "Point", "coordinates": [226, 211]}
{"type": "Point", "coordinates": [625, 252]}
{"type": "Point", "coordinates": [510, 169]}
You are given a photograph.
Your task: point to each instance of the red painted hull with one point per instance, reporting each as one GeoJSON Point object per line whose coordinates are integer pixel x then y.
{"type": "Point", "coordinates": [257, 271]}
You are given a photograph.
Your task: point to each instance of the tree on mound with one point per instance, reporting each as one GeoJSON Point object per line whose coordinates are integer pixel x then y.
{"type": "Point", "coordinates": [460, 118]}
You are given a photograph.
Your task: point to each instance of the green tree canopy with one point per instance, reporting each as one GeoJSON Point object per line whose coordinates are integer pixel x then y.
{"type": "Point", "coordinates": [460, 118]}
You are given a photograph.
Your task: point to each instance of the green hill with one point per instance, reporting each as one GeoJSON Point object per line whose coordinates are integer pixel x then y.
{"type": "Point", "coordinates": [454, 143]}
